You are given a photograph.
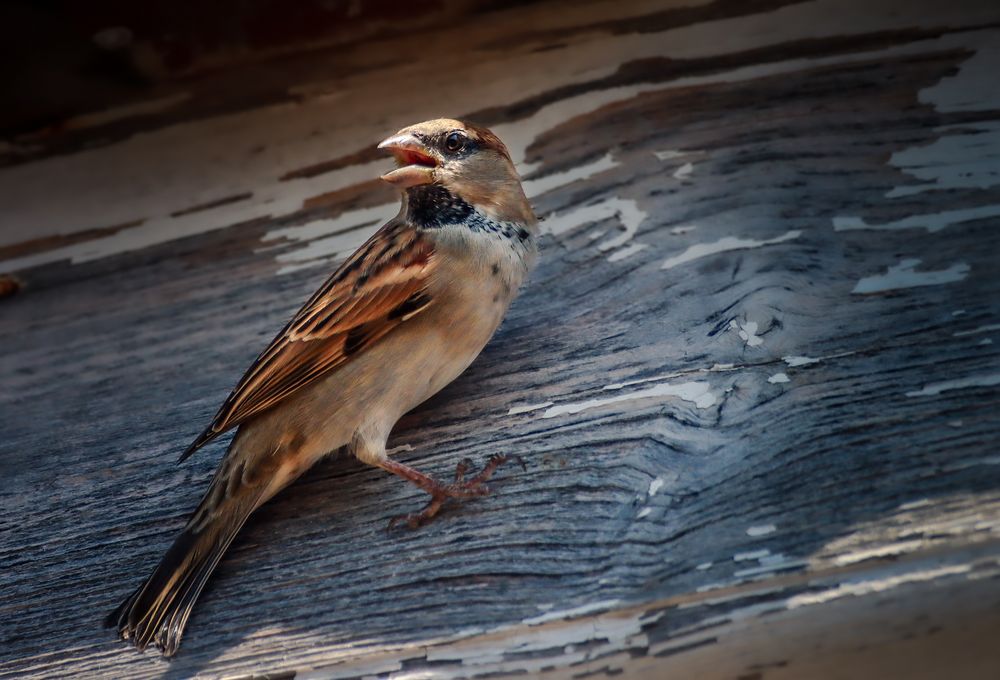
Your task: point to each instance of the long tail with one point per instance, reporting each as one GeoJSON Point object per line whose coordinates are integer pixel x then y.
{"type": "Point", "coordinates": [159, 609]}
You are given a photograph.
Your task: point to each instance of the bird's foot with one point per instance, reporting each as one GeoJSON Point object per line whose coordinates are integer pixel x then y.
{"type": "Point", "coordinates": [495, 461]}
{"type": "Point", "coordinates": [461, 488]}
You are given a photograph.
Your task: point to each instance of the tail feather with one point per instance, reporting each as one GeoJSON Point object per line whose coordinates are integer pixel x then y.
{"type": "Point", "coordinates": [157, 611]}
{"type": "Point", "coordinates": [173, 626]}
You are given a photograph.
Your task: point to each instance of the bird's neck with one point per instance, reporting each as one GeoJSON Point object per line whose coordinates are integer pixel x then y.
{"type": "Point", "coordinates": [432, 206]}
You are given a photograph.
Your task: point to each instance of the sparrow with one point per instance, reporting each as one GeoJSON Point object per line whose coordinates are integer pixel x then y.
{"type": "Point", "coordinates": [397, 321]}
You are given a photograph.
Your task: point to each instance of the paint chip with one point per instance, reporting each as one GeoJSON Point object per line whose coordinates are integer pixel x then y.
{"type": "Point", "coordinates": [684, 171]}
{"type": "Point", "coordinates": [931, 222]}
{"type": "Point", "coordinates": [669, 154]}
{"type": "Point", "coordinates": [541, 185]}
{"type": "Point", "coordinates": [747, 332]}
{"type": "Point", "coordinates": [751, 555]}
{"type": "Point", "coordinates": [934, 389]}
{"type": "Point", "coordinates": [627, 251]}
{"type": "Point", "coordinates": [698, 393]}
{"type": "Point", "coordinates": [905, 275]}
{"type": "Point", "coordinates": [528, 408]}
{"type": "Point", "coordinates": [729, 243]}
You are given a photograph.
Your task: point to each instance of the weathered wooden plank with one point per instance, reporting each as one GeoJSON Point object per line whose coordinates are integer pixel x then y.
{"type": "Point", "coordinates": [737, 393]}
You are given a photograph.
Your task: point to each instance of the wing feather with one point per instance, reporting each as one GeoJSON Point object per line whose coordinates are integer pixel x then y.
{"type": "Point", "coordinates": [379, 287]}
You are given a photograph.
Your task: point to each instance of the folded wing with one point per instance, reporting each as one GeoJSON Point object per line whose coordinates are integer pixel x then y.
{"type": "Point", "coordinates": [381, 286]}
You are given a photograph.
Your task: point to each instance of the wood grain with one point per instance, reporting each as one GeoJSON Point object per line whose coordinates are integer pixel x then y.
{"type": "Point", "coordinates": [753, 424]}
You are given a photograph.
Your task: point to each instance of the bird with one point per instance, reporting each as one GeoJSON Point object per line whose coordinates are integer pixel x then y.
{"type": "Point", "coordinates": [398, 320]}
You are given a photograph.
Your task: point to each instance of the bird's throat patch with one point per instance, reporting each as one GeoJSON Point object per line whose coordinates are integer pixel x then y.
{"type": "Point", "coordinates": [431, 206]}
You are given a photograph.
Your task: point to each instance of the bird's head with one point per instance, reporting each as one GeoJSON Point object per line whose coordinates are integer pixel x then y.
{"type": "Point", "coordinates": [468, 160]}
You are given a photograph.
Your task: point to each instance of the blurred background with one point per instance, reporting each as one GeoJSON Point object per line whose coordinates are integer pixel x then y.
{"type": "Point", "coordinates": [67, 58]}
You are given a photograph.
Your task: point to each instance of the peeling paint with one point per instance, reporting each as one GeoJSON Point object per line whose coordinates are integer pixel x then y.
{"type": "Point", "coordinates": [640, 381]}
{"type": "Point", "coordinates": [669, 154]}
{"type": "Point", "coordinates": [281, 133]}
{"type": "Point", "coordinates": [932, 222]}
{"type": "Point", "coordinates": [574, 612]}
{"type": "Point", "coordinates": [683, 229]}
{"type": "Point", "coordinates": [904, 275]}
{"type": "Point", "coordinates": [536, 187]}
{"type": "Point", "coordinates": [747, 332]}
{"type": "Point", "coordinates": [698, 393]}
{"type": "Point", "coordinates": [627, 211]}
{"type": "Point", "coordinates": [770, 565]}
{"type": "Point", "coordinates": [723, 245]}
{"type": "Point", "coordinates": [751, 555]}
{"type": "Point", "coordinates": [890, 550]}
{"type": "Point", "coordinates": [684, 171]}
{"type": "Point", "coordinates": [966, 155]}
{"type": "Point", "coordinates": [527, 408]}
{"type": "Point", "coordinates": [518, 134]}
{"type": "Point", "coordinates": [934, 389]}
{"type": "Point", "coordinates": [346, 233]}
{"type": "Point", "coordinates": [875, 585]}
{"type": "Point", "coordinates": [627, 251]}
{"type": "Point", "coordinates": [799, 361]}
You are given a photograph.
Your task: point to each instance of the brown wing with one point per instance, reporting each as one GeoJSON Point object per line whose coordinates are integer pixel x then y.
{"type": "Point", "coordinates": [379, 287]}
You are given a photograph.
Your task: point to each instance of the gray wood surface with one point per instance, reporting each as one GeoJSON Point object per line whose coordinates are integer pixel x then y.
{"type": "Point", "coordinates": [755, 377]}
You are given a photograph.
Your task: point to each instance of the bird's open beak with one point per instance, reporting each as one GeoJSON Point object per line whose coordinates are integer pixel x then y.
{"type": "Point", "coordinates": [416, 162]}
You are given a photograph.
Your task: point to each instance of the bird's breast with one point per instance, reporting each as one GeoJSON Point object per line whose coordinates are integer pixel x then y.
{"type": "Point", "coordinates": [477, 277]}
{"type": "Point", "coordinates": [487, 252]}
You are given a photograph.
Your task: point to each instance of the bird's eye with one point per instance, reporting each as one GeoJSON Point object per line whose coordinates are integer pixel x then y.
{"type": "Point", "coordinates": [454, 141]}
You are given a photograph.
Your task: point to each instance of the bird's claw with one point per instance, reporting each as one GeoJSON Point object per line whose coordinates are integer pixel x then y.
{"type": "Point", "coordinates": [463, 466]}
{"type": "Point", "coordinates": [461, 488]}
{"type": "Point", "coordinates": [494, 462]}
{"type": "Point", "coordinates": [412, 520]}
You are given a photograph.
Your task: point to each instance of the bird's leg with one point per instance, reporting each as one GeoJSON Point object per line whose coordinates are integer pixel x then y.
{"type": "Point", "coordinates": [460, 488]}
